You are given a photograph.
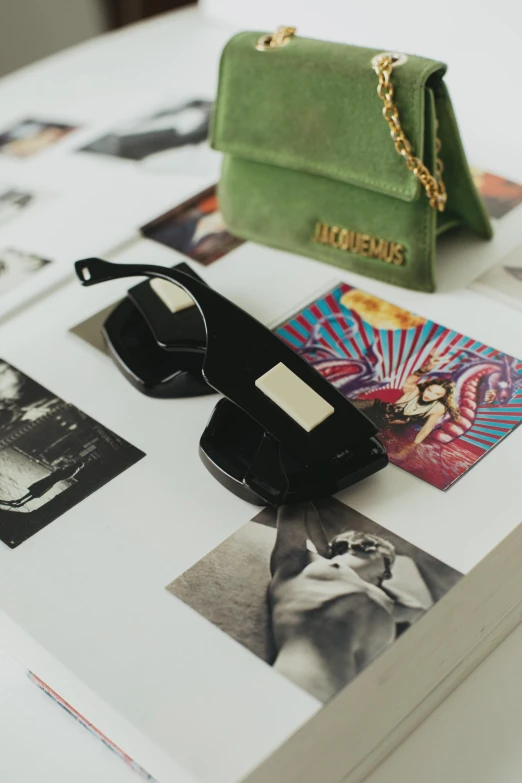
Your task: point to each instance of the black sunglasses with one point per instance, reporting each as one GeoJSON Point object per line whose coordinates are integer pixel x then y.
{"type": "Point", "coordinates": [281, 434]}
{"type": "Point", "coordinates": [160, 352]}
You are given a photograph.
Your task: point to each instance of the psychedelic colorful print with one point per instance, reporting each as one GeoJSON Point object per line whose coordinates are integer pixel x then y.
{"type": "Point", "coordinates": [440, 399]}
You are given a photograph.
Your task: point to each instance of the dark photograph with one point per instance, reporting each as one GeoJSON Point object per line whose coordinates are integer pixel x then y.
{"type": "Point", "coordinates": [28, 137]}
{"type": "Point", "coordinates": [52, 456]}
{"type": "Point", "coordinates": [16, 266]}
{"type": "Point", "coordinates": [170, 129]}
{"type": "Point", "coordinates": [194, 228]}
{"type": "Point", "coordinates": [316, 590]}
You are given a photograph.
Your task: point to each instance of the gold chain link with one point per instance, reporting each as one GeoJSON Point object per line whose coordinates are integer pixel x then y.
{"type": "Point", "coordinates": [432, 183]}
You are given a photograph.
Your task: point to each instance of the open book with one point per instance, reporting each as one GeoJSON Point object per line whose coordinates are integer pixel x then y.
{"type": "Point", "coordinates": [210, 640]}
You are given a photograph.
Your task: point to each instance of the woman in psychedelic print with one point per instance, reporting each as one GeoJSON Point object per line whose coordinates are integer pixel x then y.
{"type": "Point", "coordinates": [440, 399]}
{"type": "Point", "coordinates": [423, 402]}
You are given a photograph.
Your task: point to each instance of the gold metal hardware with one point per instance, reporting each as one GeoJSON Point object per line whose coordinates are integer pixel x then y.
{"type": "Point", "coordinates": [398, 58]}
{"type": "Point", "coordinates": [280, 38]}
{"type": "Point", "coordinates": [383, 65]}
{"type": "Point", "coordinates": [360, 244]}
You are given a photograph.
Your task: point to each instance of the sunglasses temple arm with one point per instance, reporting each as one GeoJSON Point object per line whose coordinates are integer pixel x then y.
{"type": "Point", "coordinates": [91, 271]}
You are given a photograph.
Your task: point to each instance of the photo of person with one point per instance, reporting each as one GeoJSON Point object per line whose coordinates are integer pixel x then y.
{"type": "Point", "coordinates": [317, 590]}
{"type": "Point", "coordinates": [30, 136]}
{"type": "Point", "coordinates": [441, 400]}
{"type": "Point", "coordinates": [16, 266]}
{"type": "Point", "coordinates": [44, 485]}
{"type": "Point", "coordinates": [194, 228]}
{"type": "Point", "coordinates": [52, 456]}
{"type": "Point", "coordinates": [423, 401]}
{"type": "Point", "coordinates": [499, 195]}
{"type": "Point", "coordinates": [174, 139]}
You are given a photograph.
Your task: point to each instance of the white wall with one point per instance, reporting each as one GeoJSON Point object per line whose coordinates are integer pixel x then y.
{"type": "Point", "coordinates": [480, 42]}
{"type": "Point", "coordinates": [31, 29]}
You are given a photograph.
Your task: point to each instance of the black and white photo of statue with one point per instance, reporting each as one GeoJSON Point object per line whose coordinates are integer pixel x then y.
{"type": "Point", "coordinates": [317, 590]}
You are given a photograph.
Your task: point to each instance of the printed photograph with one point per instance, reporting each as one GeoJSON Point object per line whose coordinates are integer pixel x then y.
{"type": "Point", "coordinates": [499, 195]}
{"type": "Point", "coordinates": [52, 456]}
{"type": "Point", "coordinates": [316, 590]}
{"type": "Point", "coordinates": [16, 266]}
{"type": "Point", "coordinates": [194, 228]}
{"type": "Point", "coordinates": [441, 400]}
{"type": "Point", "coordinates": [14, 201]}
{"type": "Point", "coordinates": [504, 280]}
{"type": "Point", "coordinates": [172, 139]}
{"type": "Point", "coordinates": [31, 136]}
{"type": "Point", "coordinates": [91, 330]}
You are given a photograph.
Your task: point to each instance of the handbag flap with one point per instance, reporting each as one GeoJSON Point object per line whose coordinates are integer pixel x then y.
{"type": "Point", "coordinates": [313, 106]}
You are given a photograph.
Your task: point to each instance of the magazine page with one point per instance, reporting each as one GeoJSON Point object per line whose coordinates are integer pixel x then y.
{"type": "Point", "coordinates": [167, 595]}
{"type": "Point", "coordinates": [26, 669]}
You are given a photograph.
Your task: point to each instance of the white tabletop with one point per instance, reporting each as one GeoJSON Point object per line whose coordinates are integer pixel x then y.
{"type": "Point", "coordinates": [474, 734]}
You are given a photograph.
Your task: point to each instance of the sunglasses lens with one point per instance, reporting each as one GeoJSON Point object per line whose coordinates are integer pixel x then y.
{"type": "Point", "coordinates": [153, 370]}
{"type": "Point", "coordinates": [228, 447]}
{"type": "Point", "coordinates": [183, 330]}
{"type": "Point", "coordinates": [238, 453]}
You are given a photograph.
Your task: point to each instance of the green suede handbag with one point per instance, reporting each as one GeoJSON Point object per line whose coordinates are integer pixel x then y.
{"type": "Point", "coordinates": [309, 165]}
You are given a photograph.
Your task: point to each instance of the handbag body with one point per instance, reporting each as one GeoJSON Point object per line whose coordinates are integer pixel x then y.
{"type": "Point", "coordinates": [312, 166]}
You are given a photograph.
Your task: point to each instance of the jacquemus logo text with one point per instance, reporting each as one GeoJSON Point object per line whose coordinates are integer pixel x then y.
{"type": "Point", "coordinates": [361, 244]}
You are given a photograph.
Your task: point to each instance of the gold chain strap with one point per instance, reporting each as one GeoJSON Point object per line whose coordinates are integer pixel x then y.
{"type": "Point", "coordinates": [432, 183]}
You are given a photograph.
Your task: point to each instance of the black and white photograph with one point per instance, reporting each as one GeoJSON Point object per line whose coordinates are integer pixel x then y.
{"type": "Point", "coordinates": [173, 139]}
{"type": "Point", "coordinates": [30, 136]}
{"type": "Point", "coordinates": [52, 456]}
{"type": "Point", "coordinates": [16, 266]}
{"type": "Point", "coordinates": [13, 201]}
{"type": "Point", "coordinates": [316, 590]}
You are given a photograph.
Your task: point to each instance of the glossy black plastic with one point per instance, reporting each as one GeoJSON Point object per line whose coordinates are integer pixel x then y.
{"type": "Point", "coordinates": [239, 454]}
{"type": "Point", "coordinates": [161, 353]}
{"type": "Point", "coordinates": [250, 444]}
